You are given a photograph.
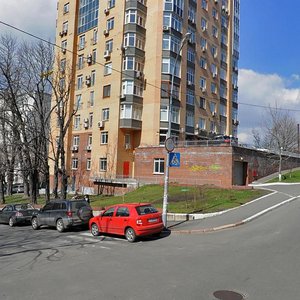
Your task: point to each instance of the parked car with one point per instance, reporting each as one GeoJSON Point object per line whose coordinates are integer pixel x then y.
{"type": "Point", "coordinates": [14, 214]}
{"type": "Point", "coordinates": [132, 220]}
{"type": "Point", "coordinates": [63, 214]}
{"type": "Point", "coordinates": [18, 188]}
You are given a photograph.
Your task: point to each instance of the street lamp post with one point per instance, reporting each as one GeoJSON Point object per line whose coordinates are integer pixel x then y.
{"type": "Point", "coordinates": [170, 148]}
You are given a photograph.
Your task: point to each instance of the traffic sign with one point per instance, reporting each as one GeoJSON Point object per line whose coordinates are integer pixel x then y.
{"type": "Point", "coordinates": [174, 159]}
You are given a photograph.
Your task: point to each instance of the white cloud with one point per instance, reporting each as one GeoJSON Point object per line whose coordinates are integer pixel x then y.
{"type": "Point", "coordinates": [258, 90]}
{"type": "Point", "coordinates": [35, 16]}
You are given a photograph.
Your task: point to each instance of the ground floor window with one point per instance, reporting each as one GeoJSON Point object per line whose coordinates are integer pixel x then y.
{"type": "Point", "coordinates": [103, 164]}
{"type": "Point", "coordinates": [159, 166]}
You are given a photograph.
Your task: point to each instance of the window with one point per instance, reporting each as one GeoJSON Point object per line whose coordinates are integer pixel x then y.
{"type": "Point", "coordinates": [80, 61]}
{"type": "Point", "coordinates": [131, 39]}
{"type": "Point", "coordinates": [66, 8]}
{"type": "Point", "coordinates": [93, 78]}
{"type": "Point", "coordinates": [91, 116]}
{"type": "Point", "coordinates": [77, 122]}
{"type": "Point", "coordinates": [111, 3]}
{"type": "Point", "coordinates": [81, 43]}
{"type": "Point", "coordinates": [92, 98]}
{"type": "Point", "coordinates": [105, 114]}
{"type": "Point", "coordinates": [110, 24]}
{"type": "Point", "coordinates": [88, 164]}
{"type": "Point", "coordinates": [135, 17]}
{"type": "Point", "coordinates": [214, 69]}
{"type": "Point", "coordinates": [164, 117]}
{"type": "Point", "coordinates": [171, 43]}
{"type": "Point", "coordinates": [64, 45]}
{"type": "Point", "coordinates": [190, 97]}
{"type": "Point", "coordinates": [90, 140]}
{"type": "Point", "coordinates": [63, 64]}
{"type": "Point", "coordinates": [79, 82]}
{"type": "Point", "coordinates": [78, 101]}
{"type": "Point", "coordinates": [159, 166]}
{"type": "Point", "coordinates": [203, 24]}
{"type": "Point", "coordinates": [173, 21]}
{"type": "Point", "coordinates": [202, 83]}
{"type": "Point", "coordinates": [203, 63]}
{"type": "Point", "coordinates": [204, 4]}
{"type": "Point", "coordinates": [65, 27]}
{"type": "Point", "coordinates": [190, 76]}
{"type": "Point", "coordinates": [74, 163]}
{"type": "Point", "coordinates": [103, 165]}
{"type": "Point", "coordinates": [202, 103]}
{"type": "Point", "coordinates": [131, 111]}
{"type": "Point", "coordinates": [122, 212]}
{"type": "Point", "coordinates": [129, 87]}
{"type": "Point", "coordinates": [104, 137]}
{"type": "Point", "coordinates": [215, 31]}
{"type": "Point", "coordinates": [213, 88]}
{"type": "Point", "coordinates": [108, 68]}
{"type": "Point", "coordinates": [175, 6]}
{"type": "Point", "coordinates": [168, 65]}
{"type": "Point", "coordinates": [212, 107]}
{"type": "Point", "coordinates": [175, 115]}
{"type": "Point", "coordinates": [94, 56]}
{"type": "Point", "coordinates": [76, 140]}
{"type": "Point", "coordinates": [106, 91]}
{"type": "Point", "coordinates": [95, 36]}
{"type": "Point", "coordinates": [202, 123]}
{"type": "Point", "coordinates": [88, 15]}
{"type": "Point", "coordinates": [223, 110]}
{"type": "Point", "coordinates": [109, 46]}
{"type": "Point", "coordinates": [203, 43]}
{"type": "Point", "coordinates": [190, 118]}
{"type": "Point", "coordinates": [215, 13]}
{"type": "Point", "coordinates": [214, 51]}
{"type": "Point", "coordinates": [191, 55]}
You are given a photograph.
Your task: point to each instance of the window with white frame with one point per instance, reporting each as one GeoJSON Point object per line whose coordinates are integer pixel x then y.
{"type": "Point", "coordinates": [168, 66]}
{"type": "Point", "coordinates": [132, 63]}
{"type": "Point", "coordinates": [131, 39]}
{"type": "Point", "coordinates": [94, 56]}
{"type": "Point", "coordinates": [164, 113]}
{"type": "Point", "coordinates": [203, 24]}
{"type": "Point", "coordinates": [66, 8]}
{"type": "Point", "coordinates": [203, 43]}
{"type": "Point", "coordinates": [95, 36]}
{"type": "Point", "coordinates": [175, 115]}
{"type": "Point", "coordinates": [80, 61]}
{"type": "Point", "coordinates": [90, 140]}
{"type": "Point", "coordinates": [190, 76]}
{"type": "Point", "coordinates": [91, 117]}
{"type": "Point", "coordinates": [79, 82]}
{"type": "Point", "coordinates": [129, 87]}
{"type": "Point", "coordinates": [212, 107]}
{"type": "Point", "coordinates": [65, 26]}
{"type": "Point", "coordinates": [64, 45]}
{"type": "Point", "coordinates": [108, 68]}
{"type": "Point", "coordinates": [134, 16]}
{"type": "Point", "coordinates": [131, 111]}
{"type": "Point", "coordinates": [202, 124]}
{"type": "Point", "coordinates": [104, 137]}
{"type": "Point", "coordinates": [81, 43]}
{"type": "Point", "coordinates": [77, 122]}
{"type": "Point", "coordinates": [215, 13]}
{"type": "Point", "coordinates": [106, 91]}
{"type": "Point", "coordinates": [223, 91]}
{"type": "Point", "coordinates": [191, 55]}
{"type": "Point", "coordinates": [103, 164]}
{"type": "Point", "coordinates": [78, 101]}
{"type": "Point", "coordinates": [173, 21]}
{"type": "Point", "coordinates": [159, 166]}
{"type": "Point", "coordinates": [190, 118]}
{"type": "Point", "coordinates": [93, 78]}
{"type": "Point", "coordinates": [171, 43]}
{"type": "Point", "coordinates": [105, 114]}
{"type": "Point", "coordinates": [203, 63]}
{"type": "Point", "coordinates": [214, 31]}
{"type": "Point", "coordinates": [109, 46]}
{"type": "Point", "coordinates": [175, 6]}
{"type": "Point", "coordinates": [76, 140]}
{"type": "Point", "coordinates": [202, 103]}
{"type": "Point", "coordinates": [213, 88]}
{"type": "Point", "coordinates": [204, 4]}
{"type": "Point", "coordinates": [92, 98]}
{"type": "Point", "coordinates": [192, 14]}
{"type": "Point", "coordinates": [223, 110]}
{"type": "Point", "coordinates": [213, 50]}
{"type": "Point", "coordinates": [190, 97]}
{"type": "Point", "coordinates": [224, 39]}
{"type": "Point", "coordinates": [74, 163]}
{"type": "Point", "coordinates": [213, 69]}
{"type": "Point", "coordinates": [110, 23]}
{"type": "Point", "coordinates": [111, 3]}
{"type": "Point", "coordinates": [192, 38]}
{"type": "Point", "coordinates": [202, 83]}
{"type": "Point", "coordinates": [223, 56]}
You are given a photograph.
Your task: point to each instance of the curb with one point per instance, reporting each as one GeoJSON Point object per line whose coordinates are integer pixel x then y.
{"type": "Point", "coordinates": [232, 225]}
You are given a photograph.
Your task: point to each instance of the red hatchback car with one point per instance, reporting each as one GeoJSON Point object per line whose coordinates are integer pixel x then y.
{"type": "Point", "coordinates": [132, 220]}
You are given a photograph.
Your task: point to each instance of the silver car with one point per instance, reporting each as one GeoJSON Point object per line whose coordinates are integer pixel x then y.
{"type": "Point", "coordinates": [63, 214]}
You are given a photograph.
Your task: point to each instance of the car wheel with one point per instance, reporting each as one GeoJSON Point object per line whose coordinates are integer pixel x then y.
{"type": "Point", "coordinates": [60, 225]}
{"type": "Point", "coordinates": [95, 229]}
{"type": "Point", "coordinates": [34, 224]}
{"type": "Point", "coordinates": [11, 222]}
{"type": "Point", "coordinates": [130, 235]}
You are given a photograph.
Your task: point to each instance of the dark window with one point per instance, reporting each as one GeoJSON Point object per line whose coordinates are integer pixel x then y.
{"type": "Point", "coordinates": [106, 91]}
{"type": "Point", "coordinates": [78, 205]}
{"type": "Point", "coordinates": [122, 212]}
{"type": "Point", "coordinates": [48, 206]}
{"type": "Point", "coordinates": [146, 209]}
{"type": "Point", "coordinates": [109, 212]}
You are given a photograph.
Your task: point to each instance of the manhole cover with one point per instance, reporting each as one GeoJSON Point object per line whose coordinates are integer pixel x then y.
{"type": "Point", "coordinates": [228, 295]}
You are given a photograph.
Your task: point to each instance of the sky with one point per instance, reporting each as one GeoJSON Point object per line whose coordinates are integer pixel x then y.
{"type": "Point", "coordinates": [269, 66]}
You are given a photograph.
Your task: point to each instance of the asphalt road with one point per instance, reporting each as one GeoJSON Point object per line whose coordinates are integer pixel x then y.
{"type": "Point", "coordinates": [259, 260]}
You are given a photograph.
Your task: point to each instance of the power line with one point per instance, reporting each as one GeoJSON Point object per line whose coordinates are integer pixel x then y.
{"type": "Point", "coordinates": [121, 72]}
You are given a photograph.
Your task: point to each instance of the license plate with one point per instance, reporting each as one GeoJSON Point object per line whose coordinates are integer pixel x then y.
{"type": "Point", "coordinates": [152, 220]}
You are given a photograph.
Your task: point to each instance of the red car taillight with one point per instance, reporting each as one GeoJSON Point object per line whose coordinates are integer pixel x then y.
{"type": "Point", "coordinates": [69, 214]}
{"type": "Point", "coordinates": [139, 222]}
{"type": "Point", "coordinates": [19, 214]}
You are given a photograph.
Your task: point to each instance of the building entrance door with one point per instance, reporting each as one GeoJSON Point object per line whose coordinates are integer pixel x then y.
{"type": "Point", "coordinates": [126, 169]}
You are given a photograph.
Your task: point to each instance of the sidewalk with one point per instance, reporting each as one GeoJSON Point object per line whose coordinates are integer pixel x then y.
{"type": "Point", "coordinates": [233, 217]}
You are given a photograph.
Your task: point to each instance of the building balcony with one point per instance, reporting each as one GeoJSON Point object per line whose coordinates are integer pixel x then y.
{"type": "Point", "coordinates": [131, 124]}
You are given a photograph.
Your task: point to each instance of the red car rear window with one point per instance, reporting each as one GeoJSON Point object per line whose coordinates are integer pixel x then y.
{"type": "Point", "coordinates": [145, 210]}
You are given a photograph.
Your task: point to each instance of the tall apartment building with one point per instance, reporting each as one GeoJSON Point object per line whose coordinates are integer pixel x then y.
{"type": "Point", "coordinates": [123, 55]}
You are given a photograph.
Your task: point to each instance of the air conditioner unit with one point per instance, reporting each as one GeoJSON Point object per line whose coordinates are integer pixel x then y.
{"type": "Point", "coordinates": [203, 49]}
{"type": "Point", "coordinates": [203, 89]}
{"type": "Point", "coordinates": [203, 29]}
{"type": "Point", "coordinates": [106, 32]}
{"type": "Point", "coordinates": [196, 132]}
{"type": "Point", "coordinates": [106, 54]}
{"type": "Point", "coordinates": [86, 120]}
{"type": "Point", "coordinates": [236, 122]}
{"type": "Point", "coordinates": [75, 148]}
{"type": "Point", "coordinates": [223, 7]}
{"type": "Point", "coordinates": [227, 11]}
{"type": "Point", "coordinates": [65, 32]}
{"type": "Point", "coordinates": [214, 114]}
{"type": "Point", "coordinates": [61, 34]}
{"type": "Point", "coordinates": [214, 75]}
{"type": "Point", "coordinates": [139, 74]}
{"type": "Point", "coordinates": [86, 125]}
{"type": "Point", "coordinates": [88, 147]}
{"type": "Point", "coordinates": [127, 146]}
{"type": "Point", "coordinates": [64, 50]}
{"type": "Point", "coordinates": [100, 124]}
{"type": "Point", "coordinates": [197, 126]}
{"type": "Point", "coordinates": [106, 11]}
{"type": "Point", "coordinates": [89, 59]}
{"type": "Point", "coordinates": [189, 83]}
{"type": "Point", "coordinates": [166, 28]}
{"type": "Point", "coordinates": [88, 80]}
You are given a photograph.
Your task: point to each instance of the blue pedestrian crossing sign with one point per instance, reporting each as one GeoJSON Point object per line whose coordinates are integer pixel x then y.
{"type": "Point", "coordinates": [174, 159]}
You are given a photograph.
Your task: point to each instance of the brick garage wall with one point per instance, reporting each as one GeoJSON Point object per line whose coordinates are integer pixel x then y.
{"type": "Point", "coordinates": [198, 165]}
{"type": "Point", "coordinates": [209, 165]}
